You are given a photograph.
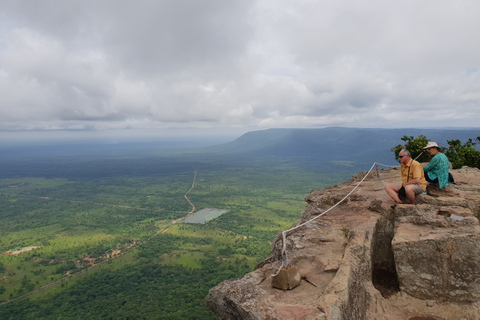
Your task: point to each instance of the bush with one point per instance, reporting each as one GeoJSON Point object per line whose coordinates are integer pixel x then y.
{"type": "Point", "coordinates": [415, 146]}
{"type": "Point", "coordinates": [463, 155]}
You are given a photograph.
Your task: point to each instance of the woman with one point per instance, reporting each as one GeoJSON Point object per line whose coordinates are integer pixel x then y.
{"type": "Point", "coordinates": [436, 171]}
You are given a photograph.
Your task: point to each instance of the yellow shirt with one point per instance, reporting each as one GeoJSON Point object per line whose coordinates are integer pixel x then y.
{"type": "Point", "coordinates": [416, 171]}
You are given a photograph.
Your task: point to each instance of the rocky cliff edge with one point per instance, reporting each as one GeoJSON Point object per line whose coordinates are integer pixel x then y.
{"type": "Point", "coordinates": [366, 260]}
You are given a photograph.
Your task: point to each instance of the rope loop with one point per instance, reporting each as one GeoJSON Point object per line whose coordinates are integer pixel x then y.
{"type": "Point", "coordinates": [284, 233]}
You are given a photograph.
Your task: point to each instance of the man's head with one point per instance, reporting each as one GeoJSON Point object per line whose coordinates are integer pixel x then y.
{"type": "Point", "coordinates": [404, 156]}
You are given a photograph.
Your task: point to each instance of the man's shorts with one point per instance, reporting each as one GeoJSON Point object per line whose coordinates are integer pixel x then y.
{"type": "Point", "coordinates": [417, 189]}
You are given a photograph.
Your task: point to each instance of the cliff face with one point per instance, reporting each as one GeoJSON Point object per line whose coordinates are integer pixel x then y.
{"type": "Point", "coordinates": [366, 260]}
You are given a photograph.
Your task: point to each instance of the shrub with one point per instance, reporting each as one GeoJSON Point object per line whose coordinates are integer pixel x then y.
{"type": "Point", "coordinates": [463, 155]}
{"type": "Point", "coordinates": [415, 146]}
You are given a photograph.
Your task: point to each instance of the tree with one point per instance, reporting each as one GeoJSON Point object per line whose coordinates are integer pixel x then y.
{"type": "Point", "coordinates": [27, 284]}
{"type": "Point", "coordinates": [415, 146]}
{"type": "Point", "coordinates": [463, 155]}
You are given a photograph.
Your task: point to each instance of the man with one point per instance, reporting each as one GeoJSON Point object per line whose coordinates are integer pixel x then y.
{"type": "Point", "coordinates": [413, 179]}
{"type": "Point", "coordinates": [436, 171]}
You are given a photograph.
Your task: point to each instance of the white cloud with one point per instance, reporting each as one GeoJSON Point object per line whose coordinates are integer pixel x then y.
{"type": "Point", "coordinates": [264, 63]}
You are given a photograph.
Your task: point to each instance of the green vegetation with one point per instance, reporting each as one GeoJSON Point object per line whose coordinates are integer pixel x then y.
{"type": "Point", "coordinates": [159, 270]}
{"type": "Point", "coordinates": [457, 153]}
{"type": "Point", "coordinates": [463, 155]}
{"type": "Point", "coordinates": [415, 146]}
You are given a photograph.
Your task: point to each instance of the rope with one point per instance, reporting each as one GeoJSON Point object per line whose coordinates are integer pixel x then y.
{"type": "Point", "coordinates": [385, 165]}
{"type": "Point", "coordinates": [284, 245]}
{"type": "Point", "coordinates": [284, 237]}
{"type": "Point", "coordinates": [418, 156]}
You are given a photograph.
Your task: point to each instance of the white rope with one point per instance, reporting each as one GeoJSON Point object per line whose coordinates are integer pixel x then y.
{"type": "Point", "coordinates": [284, 245]}
{"type": "Point", "coordinates": [385, 165]}
{"type": "Point", "coordinates": [418, 156]}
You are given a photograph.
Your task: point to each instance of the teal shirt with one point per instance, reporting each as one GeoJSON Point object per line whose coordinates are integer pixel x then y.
{"type": "Point", "coordinates": [438, 168]}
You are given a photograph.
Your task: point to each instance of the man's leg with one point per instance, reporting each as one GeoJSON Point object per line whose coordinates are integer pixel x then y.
{"type": "Point", "coordinates": [412, 190]}
{"type": "Point", "coordinates": [392, 191]}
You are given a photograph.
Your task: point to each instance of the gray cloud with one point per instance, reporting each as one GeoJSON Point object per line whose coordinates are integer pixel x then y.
{"type": "Point", "coordinates": [256, 64]}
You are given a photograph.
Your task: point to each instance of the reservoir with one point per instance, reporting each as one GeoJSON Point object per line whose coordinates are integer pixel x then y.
{"type": "Point", "coordinates": [205, 215]}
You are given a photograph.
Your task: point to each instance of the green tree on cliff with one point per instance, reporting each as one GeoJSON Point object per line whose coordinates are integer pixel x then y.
{"type": "Point", "coordinates": [415, 146]}
{"type": "Point", "coordinates": [463, 155]}
{"type": "Point", "coordinates": [457, 153]}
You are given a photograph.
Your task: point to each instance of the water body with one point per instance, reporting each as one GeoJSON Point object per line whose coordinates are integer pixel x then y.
{"type": "Point", "coordinates": [205, 215]}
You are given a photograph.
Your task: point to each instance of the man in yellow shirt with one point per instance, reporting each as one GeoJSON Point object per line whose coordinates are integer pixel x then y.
{"type": "Point", "coordinates": [413, 179]}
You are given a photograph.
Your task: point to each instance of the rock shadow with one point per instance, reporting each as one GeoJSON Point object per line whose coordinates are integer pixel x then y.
{"type": "Point", "coordinates": [384, 273]}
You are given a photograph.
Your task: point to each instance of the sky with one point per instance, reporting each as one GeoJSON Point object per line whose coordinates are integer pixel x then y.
{"type": "Point", "coordinates": [228, 67]}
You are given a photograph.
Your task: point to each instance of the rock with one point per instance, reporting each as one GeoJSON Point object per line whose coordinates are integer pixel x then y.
{"type": "Point", "coordinates": [433, 189]}
{"type": "Point", "coordinates": [363, 260]}
{"type": "Point", "coordinates": [287, 278]}
{"type": "Point", "coordinates": [438, 265]}
{"type": "Point", "coordinates": [376, 206]}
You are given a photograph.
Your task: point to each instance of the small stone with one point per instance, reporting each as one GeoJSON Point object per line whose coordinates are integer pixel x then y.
{"type": "Point", "coordinates": [376, 206]}
{"type": "Point", "coordinates": [286, 279]}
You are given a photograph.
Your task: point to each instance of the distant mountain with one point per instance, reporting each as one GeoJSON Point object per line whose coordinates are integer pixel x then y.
{"type": "Point", "coordinates": [335, 143]}
{"type": "Point", "coordinates": [334, 150]}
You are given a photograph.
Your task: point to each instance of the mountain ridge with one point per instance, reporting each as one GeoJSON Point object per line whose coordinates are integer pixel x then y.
{"type": "Point", "coordinates": [363, 145]}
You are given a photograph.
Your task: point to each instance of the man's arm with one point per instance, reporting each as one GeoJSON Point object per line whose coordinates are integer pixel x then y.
{"type": "Point", "coordinates": [413, 181]}
{"type": "Point", "coordinates": [417, 173]}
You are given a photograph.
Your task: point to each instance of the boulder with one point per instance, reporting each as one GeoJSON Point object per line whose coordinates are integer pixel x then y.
{"type": "Point", "coordinates": [439, 264]}
{"type": "Point", "coordinates": [286, 278]}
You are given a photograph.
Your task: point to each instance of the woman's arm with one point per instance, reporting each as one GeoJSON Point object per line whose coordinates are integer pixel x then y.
{"type": "Point", "coordinates": [432, 164]}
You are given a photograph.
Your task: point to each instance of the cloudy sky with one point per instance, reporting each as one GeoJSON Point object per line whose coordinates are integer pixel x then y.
{"type": "Point", "coordinates": [103, 65]}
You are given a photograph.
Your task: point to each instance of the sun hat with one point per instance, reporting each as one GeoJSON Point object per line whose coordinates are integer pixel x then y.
{"type": "Point", "coordinates": [431, 145]}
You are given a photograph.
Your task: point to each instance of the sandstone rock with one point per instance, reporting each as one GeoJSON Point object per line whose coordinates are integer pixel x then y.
{"type": "Point", "coordinates": [287, 278]}
{"type": "Point", "coordinates": [363, 260]}
{"type": "Point", "coordinates": [438, 265]}
{"type": "Point", "coordinates": [433, 189]}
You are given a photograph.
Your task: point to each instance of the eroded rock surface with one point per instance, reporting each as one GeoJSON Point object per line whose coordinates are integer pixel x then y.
{"type": "Point", "coordinates": [366, 260]}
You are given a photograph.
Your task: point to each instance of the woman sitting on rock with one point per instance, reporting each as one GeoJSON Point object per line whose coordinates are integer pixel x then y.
{"type": "Point", "coordinates": [436, 171]}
